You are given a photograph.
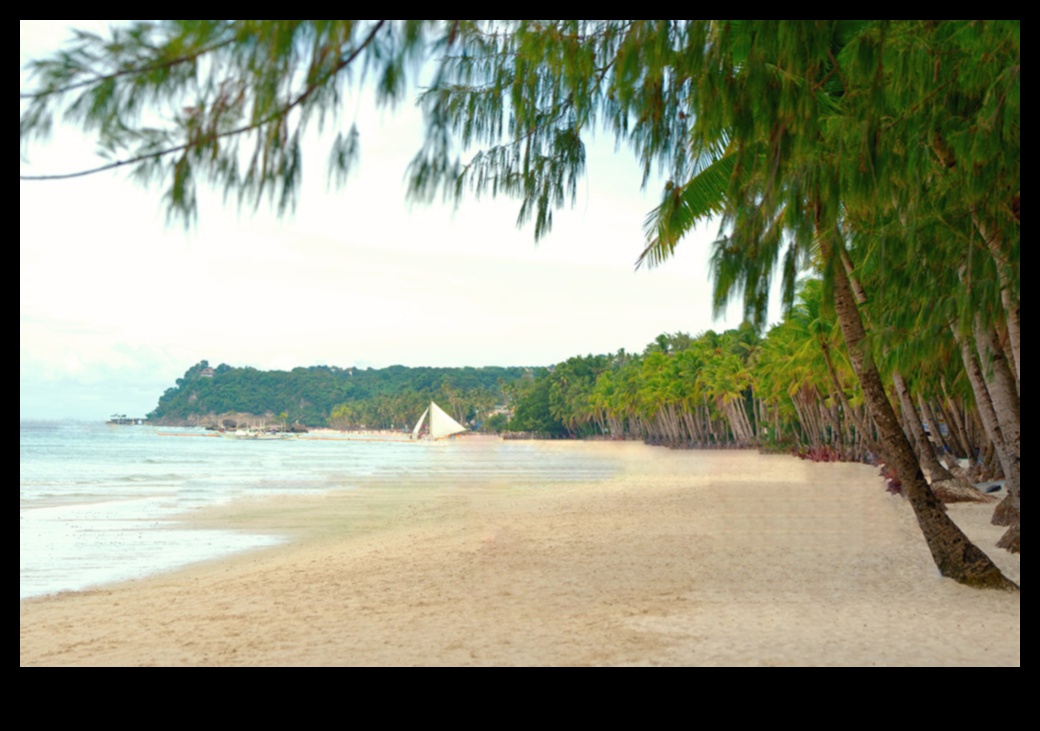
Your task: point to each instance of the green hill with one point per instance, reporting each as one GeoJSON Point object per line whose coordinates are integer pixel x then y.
{"type": "Point", "coordinates": [331, 396]}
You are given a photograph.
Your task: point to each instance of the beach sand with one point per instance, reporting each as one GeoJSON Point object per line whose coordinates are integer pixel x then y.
{"type": "Point", "coordinates": [686, 558]}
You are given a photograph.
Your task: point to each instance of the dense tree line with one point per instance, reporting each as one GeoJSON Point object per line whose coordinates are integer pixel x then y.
{"type": "Point", "coordinates": [331, 396]}
{"type": "Point", "coordinates": [791, 390]}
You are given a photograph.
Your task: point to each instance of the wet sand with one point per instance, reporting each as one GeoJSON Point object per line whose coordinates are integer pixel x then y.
{"type": "Point", "coordinates": [686, 558]}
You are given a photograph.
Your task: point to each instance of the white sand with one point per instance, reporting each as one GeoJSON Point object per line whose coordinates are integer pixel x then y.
{"type": "Point", "coordinates": [689, 558]}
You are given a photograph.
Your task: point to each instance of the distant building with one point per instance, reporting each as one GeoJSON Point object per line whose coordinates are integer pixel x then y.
{"type": "Point", "coordinates": [206, 373]}
{"type": "Point", "coordinates": [124, 420]}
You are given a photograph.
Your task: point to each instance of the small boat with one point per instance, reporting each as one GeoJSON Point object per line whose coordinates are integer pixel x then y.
{"type": "Point", "coordinates": [440, 426]}
{"type": "Point", "coordinates": [256, 434]}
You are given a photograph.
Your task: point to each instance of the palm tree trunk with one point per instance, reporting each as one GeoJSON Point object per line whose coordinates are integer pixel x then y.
{"type": "Point", "coordinates": [734, 424]}
{"type": "Point", "coordinates": [748, 432]}
{"type": "Point", "coordinates": [833, 419]}
{"type": "Point", "coordinates": [947, 487]}
{"type": "Point", "coordinates": [760, 417]}
{"type": "Point", "coordinates": [807, 430]}
{"type": "Point", "coordinates": [983, 402]}
{"type": "Point", "coordinates": [691, 426]}
{"type": "Point", "coordinates": [933, 470]}
{"type": "Point", "coordinates": [709, 423]}
{"type": "Point", "coordinates": [953, 419]}
{"type": "Point", "coordinates": [942, 444]}
{"type": "Point", "coordinates": [1011, 304]}
{"type": "Point", "coordinates": [1006, 406]}
{"type": "Point", "coordinates": [844, 399]}
{"type": "Point", "coordinates": [956, 556]}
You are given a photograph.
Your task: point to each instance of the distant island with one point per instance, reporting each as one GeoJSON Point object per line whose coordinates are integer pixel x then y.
{"type": "Point", "coordinates": [329, 396]}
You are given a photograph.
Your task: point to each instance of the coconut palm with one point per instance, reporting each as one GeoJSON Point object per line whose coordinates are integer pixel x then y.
{"type": "Point", "coordinates": [783, 104]}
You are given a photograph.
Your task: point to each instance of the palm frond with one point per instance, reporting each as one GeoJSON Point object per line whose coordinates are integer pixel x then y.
{"type": "Point", "coordinates": [700, 198]}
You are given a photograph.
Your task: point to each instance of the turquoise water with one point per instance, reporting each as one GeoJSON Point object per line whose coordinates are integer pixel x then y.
{"type": "Point", "coordinates": [100, 503]}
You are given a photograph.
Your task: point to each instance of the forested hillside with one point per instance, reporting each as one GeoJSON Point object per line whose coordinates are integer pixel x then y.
{"type": "Point", "coordinates": [331, 396]}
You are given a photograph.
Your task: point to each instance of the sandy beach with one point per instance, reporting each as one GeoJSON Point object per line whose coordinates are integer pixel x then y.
{"type": "Point", "coordinates": [685, 558]}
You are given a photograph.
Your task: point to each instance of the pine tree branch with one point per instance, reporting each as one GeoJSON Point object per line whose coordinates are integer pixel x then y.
{"type": "Point", "coordinates": [127, 72]}
{"type": "Point", "coordinates": [199, 141]}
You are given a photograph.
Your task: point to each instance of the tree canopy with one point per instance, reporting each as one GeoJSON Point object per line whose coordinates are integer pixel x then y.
{"type": "Point", "coordinates": [745, 119]}
{"type": "Point", "coordinates": [772, 125]}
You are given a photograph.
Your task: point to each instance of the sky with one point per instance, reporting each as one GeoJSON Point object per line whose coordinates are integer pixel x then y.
{"type": "Point", "coordinates": [115, 303]}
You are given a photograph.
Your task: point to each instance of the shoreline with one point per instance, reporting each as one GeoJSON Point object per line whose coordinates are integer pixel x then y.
{"type": "Point", "coordinates": [686, 558]}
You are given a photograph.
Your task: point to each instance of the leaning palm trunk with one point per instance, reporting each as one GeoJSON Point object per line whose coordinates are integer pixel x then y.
{"type": "Point", "coordinates": [983, 402]}
{"type": "Point", "coordinates": [807, 427]}
{"type": "Point", "coordinates": [738, 422]}
{"type": "Point", "coordinates": [835, 423]}
{"type": "Point", "coordinates": [708, 421]}
{"type": "Point", "coordinates": [1010, 302]}
{"type": "Point", "coordinates": [942, 445]}
{"type": "Point", "coordinates": [691, 425]}
{"type": "Point", "coordinates": [947, 456]}
{"type": "Point", "coordinates": [952, 415]}
{"type": "Point", "coordinates": [1002, 391]}
{"type": "Point", "coordinates": [749, 427]}
{"type": "Point", "coordinates": [956, 556]}
{"type": "Point", "coordinates": [838, 389]}
{"type": "Point", "coordinates": [946, 487]}
{"type": "Point", "coordinates": [1007, 512]}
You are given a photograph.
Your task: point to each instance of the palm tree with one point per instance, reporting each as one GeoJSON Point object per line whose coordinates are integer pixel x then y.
{"type": "Point", "coordinates": [782, 104]}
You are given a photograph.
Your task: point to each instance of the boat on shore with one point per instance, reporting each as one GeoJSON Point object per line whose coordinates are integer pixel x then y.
{"type": "Point", "coordinates": [441, 426]}
{"type": "Point", "coordinates": [257, 434]}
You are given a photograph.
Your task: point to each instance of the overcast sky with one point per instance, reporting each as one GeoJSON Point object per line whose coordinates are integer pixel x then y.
{"type": "Point", "coordinates": [115, 304]}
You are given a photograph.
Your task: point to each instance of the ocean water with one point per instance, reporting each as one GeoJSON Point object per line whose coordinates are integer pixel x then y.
{"type": "Point", "coordinates": [101, 503]}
